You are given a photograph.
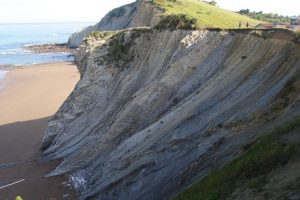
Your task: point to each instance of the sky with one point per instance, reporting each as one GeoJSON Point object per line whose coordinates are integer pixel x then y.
{"type": "Point", "coordinates": [35, 11]}
{"type": "Point", "coordinates": [282, 7]}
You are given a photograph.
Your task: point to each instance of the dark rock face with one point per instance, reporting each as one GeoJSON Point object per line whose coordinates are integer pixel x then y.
{"type": "Point", "coordinates": [174, 105]}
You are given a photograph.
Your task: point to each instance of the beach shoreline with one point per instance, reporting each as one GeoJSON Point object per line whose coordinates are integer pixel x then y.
{"type": "Point", "coordinates": [30, 95]}
{"type": "Point", "coordinates": [5, 67]}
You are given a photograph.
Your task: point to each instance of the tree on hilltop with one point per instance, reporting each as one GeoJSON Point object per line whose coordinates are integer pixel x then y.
{"type": "Point", "coordinates": [213, 3]}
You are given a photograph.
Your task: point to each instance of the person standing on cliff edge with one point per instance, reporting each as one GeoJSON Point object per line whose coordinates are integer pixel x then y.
{"type": "Point", "coordinates": [240, 24]}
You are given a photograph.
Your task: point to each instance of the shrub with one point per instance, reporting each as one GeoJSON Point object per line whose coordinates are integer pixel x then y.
{"type": "Point", "coordinates": [118, 47]}
{"type": "Point", "coordinates": [213, 3]}
{"type": "Point", "coordinates": [180, 21]}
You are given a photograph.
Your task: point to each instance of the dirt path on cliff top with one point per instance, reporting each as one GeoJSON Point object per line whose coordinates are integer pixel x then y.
{"type": "Point", "coordinates": [29, 96]}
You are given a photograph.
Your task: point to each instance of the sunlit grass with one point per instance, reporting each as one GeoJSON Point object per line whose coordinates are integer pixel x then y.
{"type": "Point", "coordinates": [208, 15]}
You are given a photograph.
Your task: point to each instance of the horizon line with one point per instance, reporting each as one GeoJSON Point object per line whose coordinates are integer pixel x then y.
{"type": "Point", "coordinates": [71, 22]}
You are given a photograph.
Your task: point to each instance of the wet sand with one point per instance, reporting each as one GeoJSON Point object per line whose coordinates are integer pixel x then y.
{"type": "Point", "coordinates": [29, 96]}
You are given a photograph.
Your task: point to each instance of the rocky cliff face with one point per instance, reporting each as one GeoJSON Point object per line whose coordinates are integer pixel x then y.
{"type": "Point", "coordinates": [139, 13]}
{"type": "Point", "coordinates": [155, 110]}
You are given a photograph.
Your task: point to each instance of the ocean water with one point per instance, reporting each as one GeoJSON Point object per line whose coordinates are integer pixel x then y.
{"type": "Point", "coordinates": [14, 36]}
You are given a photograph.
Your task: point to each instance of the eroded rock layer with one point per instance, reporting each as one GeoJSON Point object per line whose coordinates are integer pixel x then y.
{"type": "Point", "coordinates": [139, 13]}
{"type": "Point", "coordinates": [155, 110]}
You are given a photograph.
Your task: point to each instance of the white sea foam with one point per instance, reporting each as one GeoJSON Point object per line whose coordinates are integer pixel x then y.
{"type": "Point", "coordinates": [78, 181]}
{"type": "Point", "coordinates": [13, 51]}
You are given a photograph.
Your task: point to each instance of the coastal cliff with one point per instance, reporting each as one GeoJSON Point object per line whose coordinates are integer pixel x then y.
{"type": "Point", "coordinates": [147, 13]}
{"type": "Point", "coordinates": [155, 110]}
{"type": "Point", "coordinates": [139, 13]}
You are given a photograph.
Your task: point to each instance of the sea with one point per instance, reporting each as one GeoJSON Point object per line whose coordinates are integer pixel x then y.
{"type": "Point", "coordinates": [13, 37]}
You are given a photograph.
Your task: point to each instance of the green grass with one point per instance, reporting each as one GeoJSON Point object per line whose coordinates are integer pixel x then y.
{"type": "Point", "coordinates": [262, 156]}
{"type": "Point", "coordinates": [207, 16]}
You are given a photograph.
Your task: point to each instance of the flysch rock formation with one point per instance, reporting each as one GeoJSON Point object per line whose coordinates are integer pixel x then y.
{"type": "Point", "coordinates": [156, 110]}
{"type": "Point", "coordinates": [139, 13]}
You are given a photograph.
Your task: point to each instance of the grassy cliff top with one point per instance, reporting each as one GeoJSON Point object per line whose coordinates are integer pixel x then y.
{"type": "Point", "coordinates": [207, 15]}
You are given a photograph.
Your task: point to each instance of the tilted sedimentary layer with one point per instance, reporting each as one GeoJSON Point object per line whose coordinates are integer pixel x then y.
{"type": "Point", "coordinates": [139, 13]}
{"type": "Point", "coordinates": [154, 110]}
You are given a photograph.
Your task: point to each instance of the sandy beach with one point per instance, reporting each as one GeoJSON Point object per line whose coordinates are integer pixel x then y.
{"type": "Point", "coordinates": [29, 96]}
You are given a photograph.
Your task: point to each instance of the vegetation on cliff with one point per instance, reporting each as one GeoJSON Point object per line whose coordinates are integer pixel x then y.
{"type": "Point", "coordinates": [207, 16]}
{"type": "Point", "coordinates": [118, 46]}
{"type": "Point", "coordinates": [266, 17]}
{"type": "Point", "coordinates": [180, 21]}
{"type": "Point", "coordinates": [259, 158]}
{"type": "Point", "coordinates": [100, 34]}
{"type": "Point", "coordinates": [120, 43]}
